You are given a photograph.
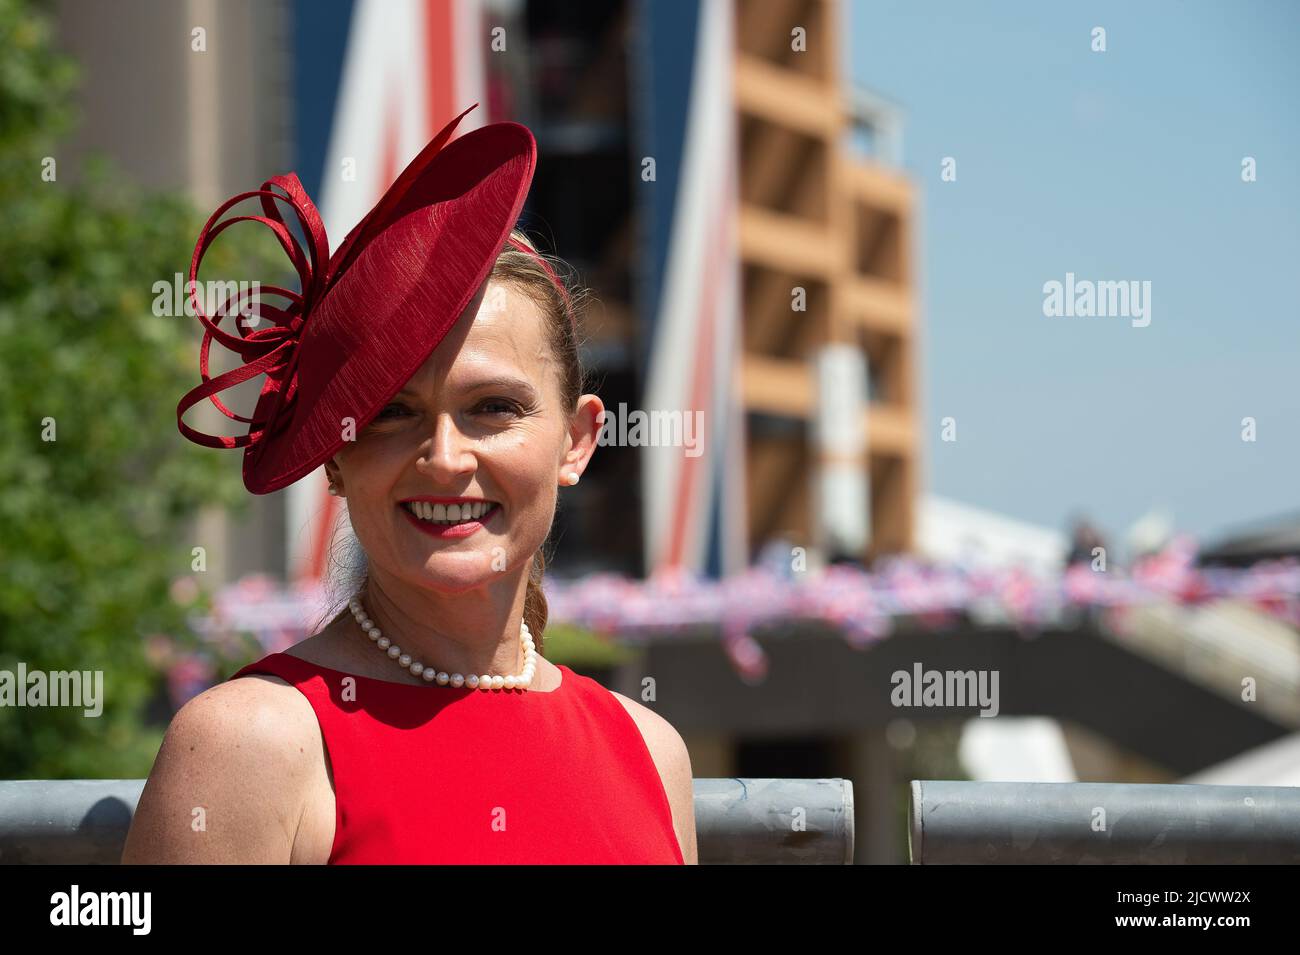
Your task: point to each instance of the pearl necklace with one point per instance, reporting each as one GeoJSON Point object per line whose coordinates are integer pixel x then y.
{"type": "Point", "coordinates": [431, 675]}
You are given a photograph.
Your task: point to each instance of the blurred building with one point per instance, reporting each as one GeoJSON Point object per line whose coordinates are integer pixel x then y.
{"type": "Point", "coordinates": [818, 215]}
{"type": "Point", "coordinates": [197, 97]}
{"type": "Point", "coordinates": [1277, 538]}
{"type": "Point", "coordinates": [212, 97]}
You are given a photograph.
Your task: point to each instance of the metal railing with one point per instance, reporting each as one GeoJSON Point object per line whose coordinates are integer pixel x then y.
{"type": "Point", "coordinates": [810, 822]}
{"type": "Point", "coordinates": [1116, 823]}
{"type": "Point", "coordinates": [738, 821]}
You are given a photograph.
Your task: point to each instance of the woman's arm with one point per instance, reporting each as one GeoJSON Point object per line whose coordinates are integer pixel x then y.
{"type": "Point", "coordinates": [228, 782]}
{"type": "Point", "coordinates": [675, 770]}
{"type": "Point", "coordinates": [671, 758]}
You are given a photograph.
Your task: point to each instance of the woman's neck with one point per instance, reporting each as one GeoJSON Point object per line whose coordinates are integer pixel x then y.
{"type": "Point", "coordinates": [473, 632]}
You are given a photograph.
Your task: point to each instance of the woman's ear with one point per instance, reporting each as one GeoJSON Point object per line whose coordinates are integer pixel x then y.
{"type": "Point", "coordinates": [335, 476]}
{"type": "Point", "coordinates": [584, 435]}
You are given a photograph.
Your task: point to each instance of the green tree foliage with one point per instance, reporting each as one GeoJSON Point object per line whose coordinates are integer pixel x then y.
{"type": "Point", "coordinates": [95, 525]}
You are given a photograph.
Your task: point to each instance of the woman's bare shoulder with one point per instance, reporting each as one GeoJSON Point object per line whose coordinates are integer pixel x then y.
{"type": "Point", "coordinates": [673, 761]}
{"type": "Point", "coordinates": [230, 778]}
{"type": "Point", "coordinates": [259, 707]}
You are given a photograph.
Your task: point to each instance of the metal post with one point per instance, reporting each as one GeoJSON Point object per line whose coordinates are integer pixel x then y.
{"type": "Point", "coordinates": [1116, 823]}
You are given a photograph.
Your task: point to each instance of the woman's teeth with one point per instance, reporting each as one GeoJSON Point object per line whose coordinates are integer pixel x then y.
{"type": "Point", "coordinates": [449, 513]}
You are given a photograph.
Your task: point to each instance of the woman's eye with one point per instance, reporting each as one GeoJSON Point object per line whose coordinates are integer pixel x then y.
{"type": "Point", "coordinates": [498, 406]}
{"type": "Point", "coordinates": [393, 410]}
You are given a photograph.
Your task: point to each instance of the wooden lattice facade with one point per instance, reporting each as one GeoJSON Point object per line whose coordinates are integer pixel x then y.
{"type": "Point", "coordinates": [815, 216]}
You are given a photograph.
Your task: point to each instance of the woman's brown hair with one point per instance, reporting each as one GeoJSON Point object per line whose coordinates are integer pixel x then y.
{"type": "Point", "coordinates": [523, 271]}
{"type": "Point", "coordinates": [526, 274]}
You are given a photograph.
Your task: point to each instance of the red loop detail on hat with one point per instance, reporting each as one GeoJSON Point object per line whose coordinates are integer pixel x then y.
{"type": "Point", "coordinates": [269, 350]}
{"type": "Point", "coordinates": [273, 351]}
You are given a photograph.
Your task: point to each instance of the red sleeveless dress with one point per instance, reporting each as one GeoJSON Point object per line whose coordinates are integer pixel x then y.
{"type": "Point", "coordinates": [439, 775]}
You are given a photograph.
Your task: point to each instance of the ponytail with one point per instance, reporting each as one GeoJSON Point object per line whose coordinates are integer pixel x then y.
{"type": "Point", "coordinates": [535, 610]}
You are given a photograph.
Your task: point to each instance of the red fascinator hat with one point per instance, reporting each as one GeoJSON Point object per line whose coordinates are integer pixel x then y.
{"type": "Point", "coordinates": [368, 316]}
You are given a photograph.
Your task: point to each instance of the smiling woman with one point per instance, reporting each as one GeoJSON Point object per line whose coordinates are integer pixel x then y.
{"type": "Point", "coordinates": [452, 341]}
{"type": "Point", "coordinates": [503, 389]}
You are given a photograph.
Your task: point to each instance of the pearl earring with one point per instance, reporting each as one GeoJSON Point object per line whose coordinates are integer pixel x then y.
{"type": "Point", "coordinates": [334, 490]}
{"type": "Point", "coordinates": [572, 477]}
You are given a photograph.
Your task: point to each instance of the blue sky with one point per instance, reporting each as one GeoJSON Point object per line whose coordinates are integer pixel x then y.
{"type": "Point", "coordinates": [1122, 165]}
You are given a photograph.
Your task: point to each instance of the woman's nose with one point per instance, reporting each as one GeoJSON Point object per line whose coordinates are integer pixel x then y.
{"type": "Point", "coordinates": [447, 451]}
